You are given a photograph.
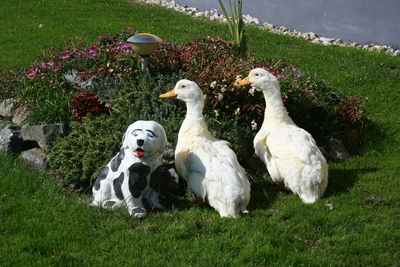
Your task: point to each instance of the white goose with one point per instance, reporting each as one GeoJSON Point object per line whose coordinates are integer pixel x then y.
{"type": "Point", "coordinates": [289, 152]}
{"type": "Point", "coordinates": [208, 165]}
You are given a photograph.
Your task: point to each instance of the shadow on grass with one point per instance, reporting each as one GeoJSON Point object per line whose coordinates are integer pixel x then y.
{"type": "Point", "coordinates": [263, 193]}
{"type": "Point", "coordinates": [376, 136]}
{"type": "Point", "coordinates": [342, 181]}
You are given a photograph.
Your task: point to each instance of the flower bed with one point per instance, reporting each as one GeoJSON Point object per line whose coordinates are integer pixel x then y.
{"type": "Point", "coordinates": [98, 90]}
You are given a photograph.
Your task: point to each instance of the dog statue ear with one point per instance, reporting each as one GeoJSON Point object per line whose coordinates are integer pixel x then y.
{"type": "Point", "coordinates": [162, 138]}
{"type": "Point", "coordinates": [124, 137]}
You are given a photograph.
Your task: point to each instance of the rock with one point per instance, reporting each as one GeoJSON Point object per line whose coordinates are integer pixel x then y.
{"type": "Point", "coordinates": [44, 134]}
{"type": "Point", "coordinates": [312, 35]}
{"type": "Point", "coordinates": [326, 41]}
{"type": "Point", "coordinates": [338, 151]}
{"type": "Point", "coordinates": [74, 78]}
{"type": "Point", "coordinates": [282, 28]}
{"type": "Point", "coordinates": [10, 139]}
{"type": "Point", "coordinates": [20, 115]}
{"type": "Point", "coordinates": [35, 157]}
{"type": "Point", "coordinates": [6, 107]}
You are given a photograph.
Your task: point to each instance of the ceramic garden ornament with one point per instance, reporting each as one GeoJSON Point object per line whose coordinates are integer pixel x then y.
{"type": "Point", "coordinates": [133, 173]}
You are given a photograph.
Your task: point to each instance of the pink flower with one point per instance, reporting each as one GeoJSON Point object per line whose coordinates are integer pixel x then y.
{"type": "Point", "coordinates": [56, 70]}
{"type": "Point", "coordinates": [295, 69]}
{"type": "Point", "coordinates": [50, 63]}
{"type": "Point", "coordinates": [33, 72]}
{"type": "Point", "coordinates": [285, 97]}
{"type": "Point", "coordinates": [298, 75]}
{"type": "Point", "coordinates": [128, 28]}
{"type": "Point", "coordinates": [92, 51]}
{"type": "Point", "coordinates": [65, 57]}
{"type": "Point", "coordinates": [105, 37]}
{"type": "Point", "coordinates": [127, 46]}
{"type": "Point", "coordinates": [128, 51]}
{"type": "Point", "coordinates": [79, 54]}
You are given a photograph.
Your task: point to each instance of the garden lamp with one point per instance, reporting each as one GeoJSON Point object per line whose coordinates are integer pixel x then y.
{"type": "Point", "coordinates": [144, 44]}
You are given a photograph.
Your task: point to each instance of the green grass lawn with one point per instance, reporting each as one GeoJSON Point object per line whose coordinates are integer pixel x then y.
{"type": "Point", "coordinates": [43, 224]}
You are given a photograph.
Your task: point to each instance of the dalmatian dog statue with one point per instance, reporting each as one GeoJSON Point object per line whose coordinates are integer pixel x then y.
{"type": "Point", "coordinates": [132, 174]}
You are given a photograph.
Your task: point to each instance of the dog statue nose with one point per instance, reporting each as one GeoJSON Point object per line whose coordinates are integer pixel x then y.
{"type": "Point", "coordinates": [140, 142]}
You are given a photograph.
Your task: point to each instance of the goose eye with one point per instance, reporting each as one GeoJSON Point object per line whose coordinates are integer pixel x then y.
{"type": "Point", "coordinates": [257, 74]}
{"type": "Point", "coordinates": [183, 86]}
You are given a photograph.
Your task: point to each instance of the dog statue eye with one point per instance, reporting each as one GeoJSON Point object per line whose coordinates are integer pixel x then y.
{"type": "Point", "coordinates": [135, 134]}
{"type": "Point", "coordinates": [150, 135]}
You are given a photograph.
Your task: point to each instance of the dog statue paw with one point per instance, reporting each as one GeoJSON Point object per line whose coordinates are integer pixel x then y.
{"type": "Point", "coordinates": [137, 212]}
{"type": "Point", "coordinates": [127, 178]}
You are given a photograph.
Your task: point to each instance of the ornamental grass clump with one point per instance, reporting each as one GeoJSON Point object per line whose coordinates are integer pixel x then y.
{"type": "Point", "coordinates": [236, 24]}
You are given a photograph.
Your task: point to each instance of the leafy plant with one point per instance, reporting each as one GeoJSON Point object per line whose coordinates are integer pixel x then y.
{"type": "Point", "coordinates": [235, 23]}
{"type": "Point", "coordinates": [85, 103]}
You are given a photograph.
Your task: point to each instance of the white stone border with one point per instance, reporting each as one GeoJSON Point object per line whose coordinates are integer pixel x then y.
{"type": "Point", "coordinates": [309, 36]}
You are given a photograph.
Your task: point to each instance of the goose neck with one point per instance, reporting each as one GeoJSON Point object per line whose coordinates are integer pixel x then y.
{"type": "Point", "coordinates": [194, 109]}
{"type": "Point", "coordinates": [274, 107]}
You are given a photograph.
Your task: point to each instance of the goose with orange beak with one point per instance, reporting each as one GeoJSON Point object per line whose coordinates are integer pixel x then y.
{"type": "Point", "coordinates": [208, 165]}
{"type": "Point", "coordinates": [289, 152]}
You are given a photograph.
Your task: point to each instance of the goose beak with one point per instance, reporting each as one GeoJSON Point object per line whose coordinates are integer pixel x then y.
{"type": "Point", "coordinates": [169, 94]}
{"type": "Point", "coordinates": [242, 82]}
